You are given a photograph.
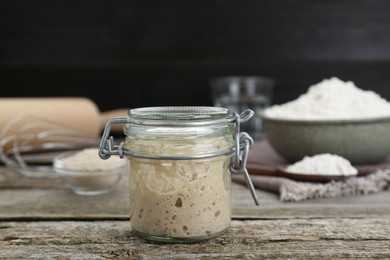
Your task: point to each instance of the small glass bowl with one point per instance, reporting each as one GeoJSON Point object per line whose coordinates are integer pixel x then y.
{"type": "Point", "coordinates": [84, 178]}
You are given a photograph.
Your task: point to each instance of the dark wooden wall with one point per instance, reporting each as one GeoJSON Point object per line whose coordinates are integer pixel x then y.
{"type": "Point", "coordinates": [164, 52]}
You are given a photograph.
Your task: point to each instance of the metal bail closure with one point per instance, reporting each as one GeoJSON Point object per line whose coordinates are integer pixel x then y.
{"type": "Point", "coordinates": [243, 143]}
{"type": "Point", "coordinates": [107, 147]}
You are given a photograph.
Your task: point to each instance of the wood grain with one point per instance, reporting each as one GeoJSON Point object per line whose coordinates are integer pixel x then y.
{"type": "Point", "coordinates": [270, 239]}
{"type": "Point", "coordinates": [23, 197]}
{"type": "Point", "coordinates": [40, 219]}
{"type": "Point", "coordinates": [164, 52]}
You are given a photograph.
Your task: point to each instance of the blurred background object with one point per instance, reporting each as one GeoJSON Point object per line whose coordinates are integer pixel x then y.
{"type": "Point", "coordinates": [34, 130]}
{"type": "Point", "coordinates": [243, 92]}
{"type": "Point", "coordinates": [164, 52]}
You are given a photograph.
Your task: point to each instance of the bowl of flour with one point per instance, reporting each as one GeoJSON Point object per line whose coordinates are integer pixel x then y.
{"type": "Point", "coordinates": [85, 173]}
{"type": "Point", "coordinates": [333, 116]}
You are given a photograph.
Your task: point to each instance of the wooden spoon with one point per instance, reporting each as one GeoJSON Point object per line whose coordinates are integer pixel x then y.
{"type": "Point", "coordinates": [280, 171]}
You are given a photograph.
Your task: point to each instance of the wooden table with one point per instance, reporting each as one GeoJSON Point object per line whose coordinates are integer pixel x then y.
{"type": "Point", "coordinates": [41, 219]}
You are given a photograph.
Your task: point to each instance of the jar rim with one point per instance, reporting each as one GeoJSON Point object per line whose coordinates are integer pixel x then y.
{"type": "Point", "coordinates": [180, 113]}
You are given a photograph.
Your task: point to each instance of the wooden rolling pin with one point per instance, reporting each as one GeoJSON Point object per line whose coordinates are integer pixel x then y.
{"type": "Point", "coordinates": [75, 112]}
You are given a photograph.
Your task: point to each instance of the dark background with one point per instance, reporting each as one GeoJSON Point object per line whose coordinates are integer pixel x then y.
{"type": "Point", "coordinates": [164, 52]}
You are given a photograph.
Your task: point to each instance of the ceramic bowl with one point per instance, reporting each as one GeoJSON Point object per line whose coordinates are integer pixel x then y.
{"type": "Point", "coordinates": [83, 179]}
{"type": "Point", "coordinates": [363, 141]}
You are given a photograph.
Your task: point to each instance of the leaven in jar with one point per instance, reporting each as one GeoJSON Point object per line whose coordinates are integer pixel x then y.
{"type": "Point", "coordinates": [183, 191]}
{"type": "Point", "coordinates": [180, 164]}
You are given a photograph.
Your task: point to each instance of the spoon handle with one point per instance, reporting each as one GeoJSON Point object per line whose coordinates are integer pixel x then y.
{"type": "Point", "coordinates": [264, 170]}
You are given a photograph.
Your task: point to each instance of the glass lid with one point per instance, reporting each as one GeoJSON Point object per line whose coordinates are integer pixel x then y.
{"type": "Point", "coordinates": [180, 113]}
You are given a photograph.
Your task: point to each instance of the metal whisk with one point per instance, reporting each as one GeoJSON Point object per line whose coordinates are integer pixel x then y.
{"type": "Point", "coordinates": [29, 143]}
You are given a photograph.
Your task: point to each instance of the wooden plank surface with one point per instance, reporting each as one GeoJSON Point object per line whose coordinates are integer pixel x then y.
{"type": "Point", "coordinates": [332, 238]}
{"type": "Point", "coordinates": [39, 218]}
{"type": "Point", "coordinates": [35, 198]}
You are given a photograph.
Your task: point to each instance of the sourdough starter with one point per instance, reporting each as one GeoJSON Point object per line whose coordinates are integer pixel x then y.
{"type": "Point", "coordinates": [180, 198]}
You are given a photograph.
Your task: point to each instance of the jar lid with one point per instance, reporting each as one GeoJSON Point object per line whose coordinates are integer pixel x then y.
{"type": "Point", "coordinates": [179, 115]}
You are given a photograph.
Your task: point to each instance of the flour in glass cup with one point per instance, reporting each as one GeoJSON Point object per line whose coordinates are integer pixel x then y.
{"type": "Point", "coordinates": [88, 160]}
{"type": "Point", "coordinates": [332, 99]}
{"type": "Point", "coordinates": [87, 174]}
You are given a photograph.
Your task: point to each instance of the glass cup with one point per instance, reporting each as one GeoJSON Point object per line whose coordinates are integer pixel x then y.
{"type": "Point", "coordinates": [238, 93]}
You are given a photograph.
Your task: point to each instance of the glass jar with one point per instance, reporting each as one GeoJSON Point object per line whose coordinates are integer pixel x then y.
{"type": "Point", "coordinates": [180, 162]}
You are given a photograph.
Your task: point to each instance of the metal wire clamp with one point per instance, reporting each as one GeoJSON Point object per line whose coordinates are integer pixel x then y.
{"type": "Point", "coordinates": [243, 142]}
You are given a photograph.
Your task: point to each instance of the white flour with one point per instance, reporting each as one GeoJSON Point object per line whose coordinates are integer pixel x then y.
{"type": "Point", "coordinates": [88, 160]}
{"type": "Point", "coordinates": [323, 164]}
{"type": "Point", "coordinates": [332, 99]}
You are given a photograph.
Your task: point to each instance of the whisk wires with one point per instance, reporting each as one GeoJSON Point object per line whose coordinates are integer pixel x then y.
{"type": "Point", "coordinates": [29, 143]}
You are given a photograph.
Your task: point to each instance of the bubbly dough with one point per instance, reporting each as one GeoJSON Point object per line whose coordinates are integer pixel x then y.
{"type": "Point", "coordinates": [179, 198]}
